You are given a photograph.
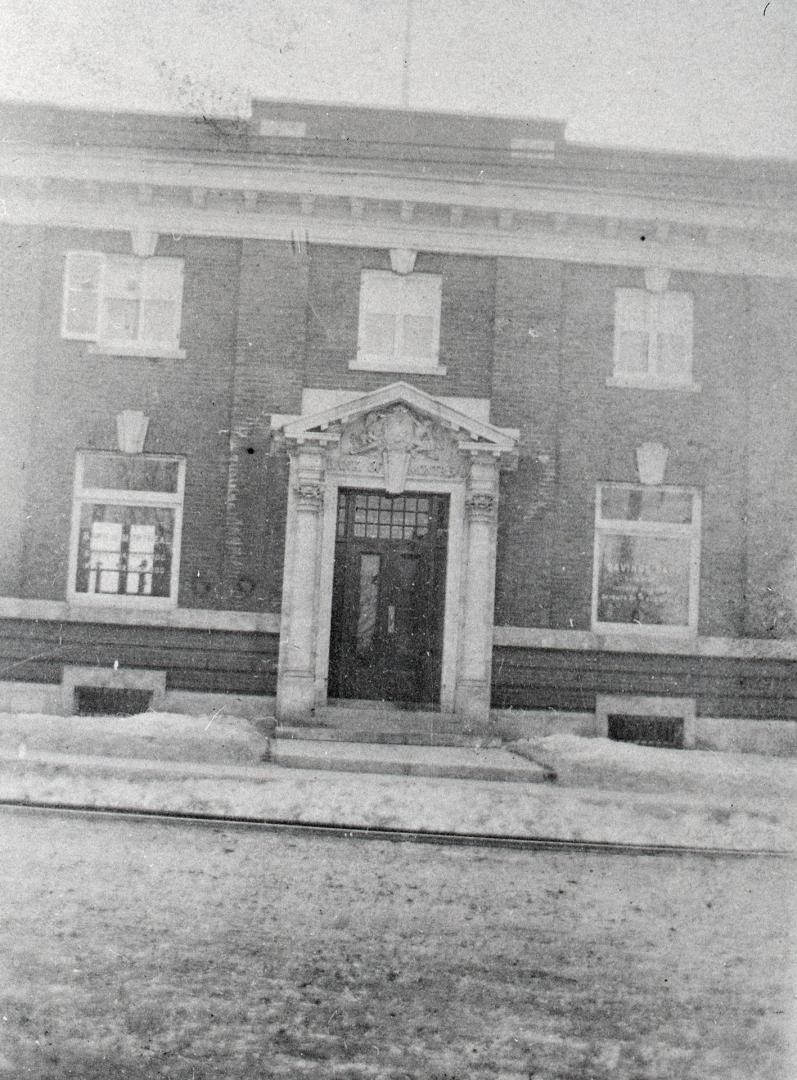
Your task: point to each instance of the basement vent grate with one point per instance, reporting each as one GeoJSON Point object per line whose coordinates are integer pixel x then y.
{"type": "Point", "coordinates": [110, 701]}
{"type": "Point", "coordinates": [665, 731]}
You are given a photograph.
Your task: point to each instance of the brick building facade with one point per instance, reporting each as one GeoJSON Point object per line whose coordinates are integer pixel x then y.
{"type": "Point", "coordinates": [336, 402]}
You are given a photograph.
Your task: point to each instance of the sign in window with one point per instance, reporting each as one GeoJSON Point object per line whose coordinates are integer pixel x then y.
{"type": "Point", "coordinates": [647, 550]}
{"type": "Point", "coordinates": [126, 528]}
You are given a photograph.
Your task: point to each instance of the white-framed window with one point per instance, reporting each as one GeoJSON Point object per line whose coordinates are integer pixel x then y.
{"type": "Point", "coordinates": [646, 569]}
{"type": "Point", "coordinates": [653, 339]}
{"type": "Point", "coordinates": [124, 304]}
{"type": "Point", "coordinates": [399, 326]}
{"type": "Point", "coordinates": [126, 529]}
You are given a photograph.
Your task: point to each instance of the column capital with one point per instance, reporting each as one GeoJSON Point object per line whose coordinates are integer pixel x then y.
{"type": "Point", "coordinates": [482, 506]}
{"type": "Point", "coordinates": [309, 496]}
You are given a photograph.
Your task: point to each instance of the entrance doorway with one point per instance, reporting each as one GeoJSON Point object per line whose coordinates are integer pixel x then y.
{"type": "Point", "coordinates": [388, 596]}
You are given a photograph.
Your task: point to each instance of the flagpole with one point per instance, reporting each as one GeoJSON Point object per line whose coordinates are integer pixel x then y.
{"type": "Point", "coordinates": [405, 71]}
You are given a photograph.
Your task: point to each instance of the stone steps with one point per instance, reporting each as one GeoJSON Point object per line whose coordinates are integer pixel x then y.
{"type": "Point", "coordinates": [444, 762]}
{"type": "Point", "coordinates": [369, 722]}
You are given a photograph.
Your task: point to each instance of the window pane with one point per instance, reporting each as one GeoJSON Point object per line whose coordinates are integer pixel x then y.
{"type": "Point", "coordinates": [81, 315]}
{"type": "Point", "coordinates": [421, 294]}
{"type": "Point", "coordinates": [125, 550]}
{"type": "Point", "coordinates": [643, 580]}
{"type": "Point", "coordinates": [129, 473]}
{"type": "Point", "coordinates": [674, 359]}
{"type": "Point", "coordinates": [158, 321]}
{"type": "Point", "coordinates": [381, 291]}
{"type": "Point", "coordinates": [631, 329]}
{"type": "Point", "coordinates": [379, 334]}
{"type": "Point", "coordinates": [162, 279]}
{"type": "Point", "coordinates": [123, 278]}
{"type": "Point", "coordinates": [140, 559]}
{"type": "Point", "coordinates": [84, 268]}
{"type": "Point", "coordinates": [369, 597]}
{"type": "Point", "coordinates": [121, 320]}
{"type": "Point", "coordinates": [632, 353]}
{"type": "Point", "coordinates": [646, 504]}
{"type": "Point", "coordinates": [418, 337]}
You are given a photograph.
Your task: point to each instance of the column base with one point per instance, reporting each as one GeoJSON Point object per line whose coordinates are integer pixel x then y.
{"type": "Point", "coordinates": [472, 700]}
{"type": "Point", "coordinates": [295, 696]}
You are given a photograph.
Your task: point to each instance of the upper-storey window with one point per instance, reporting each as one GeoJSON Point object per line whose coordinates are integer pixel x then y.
{"type": "Point", "coordinates": [126, 527]}
{"type": "Point", "coordinates": [652, 339]}
{"type": "Point", "coordinates": [399, 328]}
{"type": "Point", "coordinates": [647, 558]}
{"type": "Point", "coordinates": [126, 305]}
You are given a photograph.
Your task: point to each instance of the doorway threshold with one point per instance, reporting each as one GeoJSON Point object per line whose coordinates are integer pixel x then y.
{"type": "Point", "coordinates": [387, 722]}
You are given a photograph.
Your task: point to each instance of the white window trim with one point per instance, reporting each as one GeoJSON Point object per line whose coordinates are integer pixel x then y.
{"type": "Point", "coordinates": [101, 346]}
{"type": "Point", "coordinates": [650, 380]}
{"type": "Point", "coordinates": [377, 361]}
{"type": "Point", "coordinates": [122, 497]}
{"type": "Point", "coordinates": [615, 527]}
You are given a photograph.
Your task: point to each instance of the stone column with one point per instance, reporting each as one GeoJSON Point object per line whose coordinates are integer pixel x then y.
{"type": "Point", "coordinates": [472, 699]}
{"type": "Point", "coordinates": [298, 630]}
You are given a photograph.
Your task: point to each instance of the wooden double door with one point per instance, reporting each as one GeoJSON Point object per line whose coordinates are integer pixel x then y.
{"type": "Point", "coordinates": [388, 596]}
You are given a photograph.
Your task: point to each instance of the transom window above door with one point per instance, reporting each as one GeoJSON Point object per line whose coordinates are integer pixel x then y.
{"type": "Point", "coordinates": [385, 517]}
{"type": "Point", "coordinates": [399, 325]}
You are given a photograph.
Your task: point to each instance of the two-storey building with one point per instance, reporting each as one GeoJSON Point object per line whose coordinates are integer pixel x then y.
{"type": "Point", "coordinates": [332, 403]}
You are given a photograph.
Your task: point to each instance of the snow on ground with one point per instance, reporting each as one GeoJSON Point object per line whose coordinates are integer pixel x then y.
{"type": "Point", "coordinates": [604, 762]}
{"type": "Point", "coordinates": [218, 769]}
{"type": "Point", "coordinates": [152, 735]}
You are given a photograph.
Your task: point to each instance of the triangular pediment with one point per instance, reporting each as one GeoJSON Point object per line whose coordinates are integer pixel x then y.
{"type": "Point", "coordinates": [318, 424]}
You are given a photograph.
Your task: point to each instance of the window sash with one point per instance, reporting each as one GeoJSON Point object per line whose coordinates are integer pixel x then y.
{"type": "Point", "coordinates": [80, 311]}
{"type": "Point", "coordinates": [122, 300]}
{"type": "Point", "coordinates": [653, 337]}
{"type": "Point", "coordinates": [109, 566]}
{"type": "Point", "coordinates": [637, 589]}
{"type": "Point", "coordinates": [404, 312]}
{"type": "Point", "coordinates": [119, 555]}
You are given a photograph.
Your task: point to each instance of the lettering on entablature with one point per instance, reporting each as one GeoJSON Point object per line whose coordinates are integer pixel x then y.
{"type": "Point", "coordinates": [432, 450]}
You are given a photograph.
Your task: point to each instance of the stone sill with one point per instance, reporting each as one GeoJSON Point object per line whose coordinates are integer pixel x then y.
{"type": "Point", "coordinates": [153, 352]}
{"type": "Point", "coordinates": [414, 369]}
{"type": "Point", "coordinates": [529, 637]}
{"type": "Point", "coordinates": [12, 607]}
{"type": "Point", "coordinates": [653, 384]}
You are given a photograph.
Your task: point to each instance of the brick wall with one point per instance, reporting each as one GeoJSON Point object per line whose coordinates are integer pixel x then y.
{"type": "Point", "coordinates": [21, 262]}
{"type": "Point", "coordinates": [259, 323]}
{"type": "Point", "coordinates": [77, 396]}
{"type": "Point", "coordinates": [771, 579]}
{"type": "Point", "coordinates": [525, 388]}
{"type": "Point", "coordinates": [554, 342]}
{"type": "Point", "coordinates": [269, 356]}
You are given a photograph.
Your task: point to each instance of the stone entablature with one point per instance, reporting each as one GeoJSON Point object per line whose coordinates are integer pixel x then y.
{"type": "Point", "coordinates": [570, 210]}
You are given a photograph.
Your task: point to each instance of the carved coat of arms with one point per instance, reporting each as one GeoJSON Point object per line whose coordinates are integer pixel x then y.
{"type": "Point", "coordinates": [397, 442]}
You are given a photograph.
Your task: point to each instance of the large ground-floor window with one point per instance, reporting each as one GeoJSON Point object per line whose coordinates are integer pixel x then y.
{"type": "Point", "coordinates": [126, 526]}
{"type": "Point", "coordinates": [647, 558]}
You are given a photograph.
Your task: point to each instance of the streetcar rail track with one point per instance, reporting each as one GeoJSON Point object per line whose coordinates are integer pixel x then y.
{"type": "Point", "coordinates": [394, 835]}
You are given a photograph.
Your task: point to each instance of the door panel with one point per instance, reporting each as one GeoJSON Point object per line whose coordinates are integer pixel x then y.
{"type": "Point", "coordinates": [386, 640]}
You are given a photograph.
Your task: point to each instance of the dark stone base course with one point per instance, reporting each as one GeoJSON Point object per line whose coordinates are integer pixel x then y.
{"type": "Point", "coordinates": [217, 661]}
{"type": "Point", "coordinates": [570, 680]}
{"type": "Point", "coordinates": [239, 662]}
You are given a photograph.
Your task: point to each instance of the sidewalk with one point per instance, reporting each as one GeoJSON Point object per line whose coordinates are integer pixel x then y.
{"type": "Point", "coordinates": [609, 792]}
